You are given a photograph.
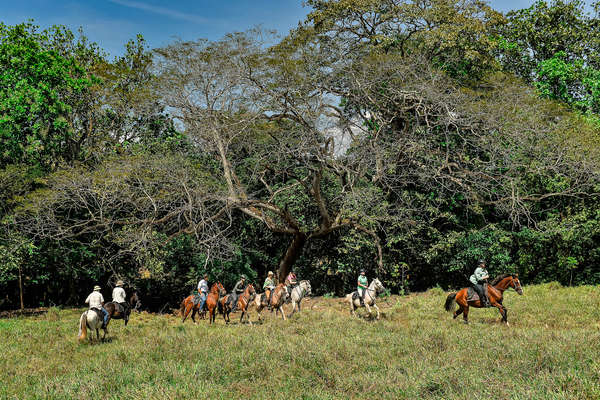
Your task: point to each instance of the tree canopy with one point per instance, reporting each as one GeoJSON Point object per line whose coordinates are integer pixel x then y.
{"type": "Point", "coordinates": [406, 137]}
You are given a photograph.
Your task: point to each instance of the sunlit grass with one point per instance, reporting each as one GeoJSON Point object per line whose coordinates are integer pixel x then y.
{"type": "Point", "coordinates": [551, 350]}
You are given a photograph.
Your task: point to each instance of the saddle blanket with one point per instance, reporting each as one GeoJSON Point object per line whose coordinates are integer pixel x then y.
{"type": "Point", "coordinates": [472, 295]}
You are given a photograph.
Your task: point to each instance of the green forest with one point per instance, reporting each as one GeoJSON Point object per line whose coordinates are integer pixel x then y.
{"type": "Point", "coordinates": [406, 137]}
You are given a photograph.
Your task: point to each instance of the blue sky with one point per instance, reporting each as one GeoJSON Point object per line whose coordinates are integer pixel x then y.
{"type": "Point", "coordinates": [111, 23]}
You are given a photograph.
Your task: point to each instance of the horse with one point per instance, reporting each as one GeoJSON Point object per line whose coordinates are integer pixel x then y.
{"type": "Point", "coordinates": [371, 293]}
{"type": "Point", "coordinates": [93, 320]}
{"type": "Point", "coordinates": [278, 297]}
{"type": "Point", "coordinates": [216, 292]}
{"type": "Point", "coordinates": [298, 293]}
{"type": "Point", "coordinates": [118, 311]}
{"type": "Point", "coordinates": [496, 290]}
{"type": "Point", "coordinates": [225, 307]}
{"type": "Point", "coordinates": [244, 301]}
{"type": "Point", "coordinates": [188, 305]}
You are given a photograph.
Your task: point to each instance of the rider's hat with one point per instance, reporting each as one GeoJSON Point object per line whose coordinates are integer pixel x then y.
{"type": "Point", "coordinates": [119, 283]}
{"type": "Point", "coordinates": [270, 273]}
{"type": "Point", "coordinates": [362, 271]}
{"type": "Point", "coordinates": [481, 261]}
{"type": "Point", "coordinates": [97, 288]}
{"type": "Point", "coordinates": [243, 276]}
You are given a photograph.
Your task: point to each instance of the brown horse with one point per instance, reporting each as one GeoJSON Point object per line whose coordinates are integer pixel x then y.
{"type": "Point", "coordinates": [278, 298]}
{"type": "Point", "coordinates": [244, 301]}
{"type": "Point", "coordinates": [187, 305]}
{"type": "Point", "coordinates": [122, 310]}
{"type": "Point", "coordinates": [225, 307]}
{"type": "Point", "coordinates": [496, 290]}
{"type": "Point", "coordinates": [216, 292]}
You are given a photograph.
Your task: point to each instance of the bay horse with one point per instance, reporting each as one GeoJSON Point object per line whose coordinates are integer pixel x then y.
{"type": "Point", "coordinates": [119, 311]}
{"type": "Point", "coordinates": [224, 305]}
{"type": "Point", "coordinates": [496, 290]}
{"type": "Point", "coordinates": [92, 320]}
{"type": "Point", "coordinates": [371, 294]}
{"type": "Point", "coordinates": [244, 301]}
{"type": "Point", "coordinates": [302, 289]}
{"type": "Point", "coordinates": [278, 298]}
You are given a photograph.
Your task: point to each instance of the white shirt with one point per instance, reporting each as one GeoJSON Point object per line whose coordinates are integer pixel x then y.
{"type": "Point", "coordinates": [95, 300]}
{"type": "Point", "coordinates": [119, 295]}
{"type": "Point", "coordinates": [203, 286]}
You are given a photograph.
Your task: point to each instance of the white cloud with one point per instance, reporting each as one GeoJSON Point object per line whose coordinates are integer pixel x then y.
{"type": "Point", "coordinates": [168, 12]}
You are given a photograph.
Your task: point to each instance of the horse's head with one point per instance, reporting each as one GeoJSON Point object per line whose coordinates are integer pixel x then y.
{"type": "Point", "coordinates": [135, 302]}
{"type": "Point", "coordinates": [377, 285]}
{"type": "Point", "coordinates": [305, 285]}
{"type": "Point", "coordinates": [250, 291]}
{"type": "Point", "coordinates": [516, 284]}
{"type": "Point", "coordinates": [222, 291]}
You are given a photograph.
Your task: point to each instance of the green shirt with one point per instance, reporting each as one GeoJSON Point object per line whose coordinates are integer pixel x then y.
{"type": "Point", "coordinates": [362, 282]}
{"type": "Point", "coordinates": [268, 283]}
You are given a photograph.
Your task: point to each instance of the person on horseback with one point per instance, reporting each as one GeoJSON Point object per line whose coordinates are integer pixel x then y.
{"type": "Point", "coordinates": [96, 302]}
{"type": "Point", "coordinates": [268, 287]}
{"type": "Point", "coordinates": [202, 292]}
{"type": "Point", "coordinates": [238, 289]}
{"type": "Point", "coordinates": [479, 280]}
{"type": "Point", "coordinates": [119, 296]}
{"type": "Point", "coordinates": [291, 280]}
{"type": "Point", "coordinates": [363, 284]}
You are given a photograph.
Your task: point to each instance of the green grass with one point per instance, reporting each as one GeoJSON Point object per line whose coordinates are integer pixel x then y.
{"type": "Point", "coordinates": [550, 351]}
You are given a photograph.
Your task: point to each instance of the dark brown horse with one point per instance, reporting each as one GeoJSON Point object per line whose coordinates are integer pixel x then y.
{"type": "Point", "coordinates": [122, 310]}
{"type": "Point", "coordinates": [278, 298]}
{"type": "Point", "coordinates": [496, 290]}
{"type": "Point", "coordinates": [225, 306]}
{"type": "Point", "coordinates": [244, 301]}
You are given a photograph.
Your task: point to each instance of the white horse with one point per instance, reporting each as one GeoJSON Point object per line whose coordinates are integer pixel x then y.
{"type": "Point", "coordinates": [370, 295]}
{"type": "Point", "coordinates": [302, 289]}
{"type": "Point", "coordinates": [90, 319]}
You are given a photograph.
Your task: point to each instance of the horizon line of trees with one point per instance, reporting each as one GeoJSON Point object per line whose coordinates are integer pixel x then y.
{"type": "Point", "coordinates": [406, 137]}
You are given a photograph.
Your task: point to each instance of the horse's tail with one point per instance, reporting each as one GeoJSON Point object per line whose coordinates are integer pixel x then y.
{"type": "Point", "coordinates": [450, 301]}
{"type": "Point", "coordinates": [83, 326]}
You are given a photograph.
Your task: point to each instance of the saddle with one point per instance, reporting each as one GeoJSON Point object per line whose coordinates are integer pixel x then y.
{"type": "Point", "coordinates": [472, 294]}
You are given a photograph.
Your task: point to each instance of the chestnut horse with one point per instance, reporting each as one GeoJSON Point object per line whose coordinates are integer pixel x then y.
{"type": "Point", "coordinates": [244, 301]}
{"type": "Point", "coordinates": [278, 297]}
{"type": "Point", "coordinates": [188, 305]}
{"type": "Point", "coordinates": [216, 292]}
{"type": "Point", "coordinates": [495, 291]}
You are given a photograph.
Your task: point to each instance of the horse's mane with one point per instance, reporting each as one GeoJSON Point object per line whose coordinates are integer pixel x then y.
{"type": "Point", "coordinates": [499, 278]}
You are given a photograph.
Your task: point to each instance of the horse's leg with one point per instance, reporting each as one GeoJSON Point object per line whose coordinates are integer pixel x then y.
{"type": "Point", "coordinates": [376, 309]}
{"type": "Point", "coordinates": [368, 308]}
{"type": "Point", "coordinates": [466, 314]}
{"type": "Point", "coordinates": [188, 308]}
{"type": "Point", "coordinates": [352, 312]}
{"type": "Point", "coordinates": [282, 311]}
{"type": "Point", "coordinates": [299, 301]}
{"type": "Point", "coordinates": [127, 317]}
{"type": "Point", "coordinates": [458, 311]}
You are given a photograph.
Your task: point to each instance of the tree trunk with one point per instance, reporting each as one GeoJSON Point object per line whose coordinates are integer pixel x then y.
{"type": "Point", "coordinates": [21, 286]}
{"type": "Point", "coordinates": [291, 255]}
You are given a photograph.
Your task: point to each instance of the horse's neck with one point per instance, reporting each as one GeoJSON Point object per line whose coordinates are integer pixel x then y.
{"type": "Point", "coordinates": [503, 284]}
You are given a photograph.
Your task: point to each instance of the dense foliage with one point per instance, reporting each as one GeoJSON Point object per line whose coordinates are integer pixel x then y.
{"type": "Point", "coordinates": [406, 137]}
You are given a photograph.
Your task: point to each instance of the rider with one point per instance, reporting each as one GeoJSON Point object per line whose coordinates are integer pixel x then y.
{"type": "Point", "coordinates": [478, 280]}
{"type": "Point", "coordinates": [268, 287]}
{"type": "Point", "coordinates": [119, 296]}
{"type": "Point", "coordinates": [202, 291]}
{"type": "Point", "coordinates": [238, 289]}
{"type": "Point", "coordinates": [363, 283]}
{"type": "Point", "coordinates": [291, 279]}
{"type": "Point", "coordinates": [96, 301]}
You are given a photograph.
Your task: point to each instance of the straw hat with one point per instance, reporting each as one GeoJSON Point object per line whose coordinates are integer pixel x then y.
{"type": "Point", "coordinates": [97, 288]}
{"type": "Point", "coordinates": [119, 283]}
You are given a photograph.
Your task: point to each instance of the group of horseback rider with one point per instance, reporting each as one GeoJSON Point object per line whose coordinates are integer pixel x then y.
{"type": "Point", "coordinates": [96, 300]}
{"type": "Point", "coordinates": [268, 286]}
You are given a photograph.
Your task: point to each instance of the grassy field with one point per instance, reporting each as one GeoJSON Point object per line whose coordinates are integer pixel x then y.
{"type": "Point", "coordinates": [550, 351]}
